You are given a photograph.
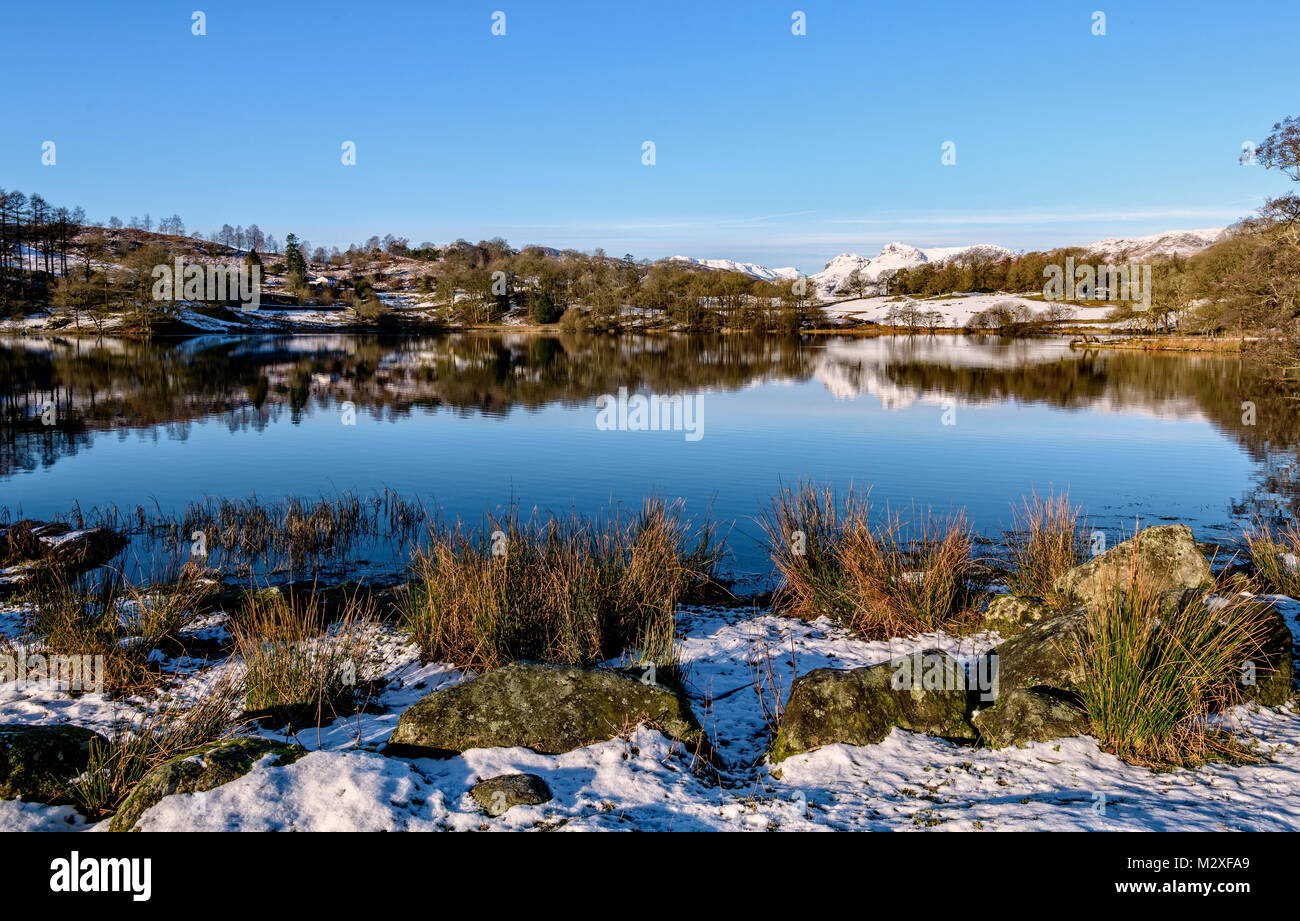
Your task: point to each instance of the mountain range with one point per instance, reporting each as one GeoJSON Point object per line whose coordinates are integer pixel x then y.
{"type": "Point", "coordinates": [894, 256]}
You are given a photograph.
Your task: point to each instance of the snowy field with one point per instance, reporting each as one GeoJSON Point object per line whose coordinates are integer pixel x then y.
{"type": "Point", "coordinates": [644, 781]}
{"type": "Point", "coordinates": [955, 310]}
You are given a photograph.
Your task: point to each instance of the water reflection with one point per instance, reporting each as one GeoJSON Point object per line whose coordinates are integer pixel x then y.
{"type": "Point", "coordinates": [57, 396]}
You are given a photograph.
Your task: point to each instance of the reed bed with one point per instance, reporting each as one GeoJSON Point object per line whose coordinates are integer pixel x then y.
{"type": "Point", "coordinates": [289, 531]}
{"type": "Point", "coordinates": [895, 578]}
{"type": "Point", "coordinates": [569, 590]}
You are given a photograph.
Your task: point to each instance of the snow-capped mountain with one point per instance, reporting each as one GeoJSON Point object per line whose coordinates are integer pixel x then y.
{"type": "Point", "coordinates": [1169, 243]}
{"type": "Point", "coordinates": [893, 256]}
{"type": "Point", "coordinates": [831, 281]}
{"type": "Point", "coordinates": [748, 268]}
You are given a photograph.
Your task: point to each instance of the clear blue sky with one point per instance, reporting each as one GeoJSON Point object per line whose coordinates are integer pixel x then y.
{"type": "Point", "coordinates": [771, 147]}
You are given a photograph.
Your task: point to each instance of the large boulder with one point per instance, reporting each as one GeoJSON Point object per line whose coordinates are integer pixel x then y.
{"type": "Point", "coordinates": [1047, 653]}
{"type": "Point", "coordinates": [924, 693]}
{"type": "Point", "coordinates": [199, 771]}
{"type": "Point", "coordinates": [1168, 558]}
{"type": "Point", "coordinates": [39, 763]}
{"type": "Point", "coordinates": [548, 708]}
{"type": "Point", "coordinates": [1031, 715]}
{"type": "Point", "coordinates": [498, 794]}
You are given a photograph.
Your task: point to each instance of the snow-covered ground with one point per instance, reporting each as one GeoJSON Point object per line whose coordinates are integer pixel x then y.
{"type": "Point", "coordinates": [644, 781]}
{"type": "Point", "coordinates": [952, 311]}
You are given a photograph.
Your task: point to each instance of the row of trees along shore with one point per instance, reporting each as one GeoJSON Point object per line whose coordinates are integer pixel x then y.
{"type": "Point", "coordinates": [1247, 283]}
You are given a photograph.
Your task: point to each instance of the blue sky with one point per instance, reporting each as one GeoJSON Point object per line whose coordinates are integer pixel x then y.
{"type": "Point", "coordinates": [770, 147]}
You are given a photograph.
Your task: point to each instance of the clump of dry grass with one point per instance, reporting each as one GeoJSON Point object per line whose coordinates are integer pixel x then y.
{"type": "Point", "coordinates": [1276, 555]}
{"type": "Point", "coordinates": [1045, 543]}
{"type": "Point", "coordinates": [301, 665]}
{"type": "Point", "coordinates": [566, 590]}
{"type": "Point", "coordinates": [1153, 673]}
{"type": "Point", "coordinates": [900, 577]}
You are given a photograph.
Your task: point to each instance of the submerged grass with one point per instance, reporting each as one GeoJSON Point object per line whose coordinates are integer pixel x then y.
{"type": "Point", "coordinates": [1154, 673]}
{"type": "Point", "coordinates": [569, 590]}
{"type": "Point", "coordinates": [896, 578]}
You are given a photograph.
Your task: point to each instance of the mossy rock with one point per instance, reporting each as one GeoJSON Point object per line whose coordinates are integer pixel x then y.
{"type": "Point", "coordinates": [922, 693]}
{"type": "Point", "coordinates": [39, 763]}
{"type": "Point", "coordinates": [1031, 715]}
{"type": "Point", "coordinates": [1011, 614]}
{"type": "Point", "coordinates": [1047, 653]}
{"type": "Point", "coordinates": [498, 794]}
{"type": "Point", "coordinates": [204, 769]}
{"type": "Point", "coordinates": [550, 709]}
{"type": "Point", "coordinates": [1168, 558]}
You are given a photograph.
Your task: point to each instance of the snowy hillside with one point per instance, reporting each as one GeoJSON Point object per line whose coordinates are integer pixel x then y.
{"type": "Point", "coordinates": [892, 257]}
{"type": "Point", "coordinates": [748, 268]}
{"type": "Point", "coordinates": [1169, 243]}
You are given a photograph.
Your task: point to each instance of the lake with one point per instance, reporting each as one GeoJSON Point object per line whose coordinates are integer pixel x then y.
{"type": "Point", "coordinates": [472, 422]}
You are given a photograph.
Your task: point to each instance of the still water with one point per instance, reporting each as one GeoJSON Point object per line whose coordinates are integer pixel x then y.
{"type": "Point", "coordinates": [472, 422]}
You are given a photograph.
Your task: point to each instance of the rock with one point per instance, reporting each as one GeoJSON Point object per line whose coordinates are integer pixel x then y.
{"type": "Point", "coordinates": [1046, 653]}
{"type": "Point", "coordinates": [498, 794]}
{"type": "Point", "coordinates": [922, 693]}
{"type": "Point", "coordinates": [199, 771]}
{"type": "Point", "coordinates": [77, 551]}
{"type": "Point", "coordinates": [30, 550]}
{"type": "Point", "coordinates": [1031, 715]}
{"type": "Point", "coordinates": [1274, 675]}
{"type": "Point", "coordinates": [1167, 556]}
{"type": "Point", "coordinates": [549, 708]}
{"type": "Point", "coordinates": [38, 763]}
{"type": "Point", "coordinates": [1010, 614]}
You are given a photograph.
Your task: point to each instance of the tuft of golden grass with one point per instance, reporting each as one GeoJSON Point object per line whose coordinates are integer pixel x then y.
{"type": "Point", "coordinates": [1045, 543]}
{"type": "Point", "coordinates": [1276, 555]}
{"type": "Point", "coordinates": [1153, 676]}
{"type": "Point", "coordinates": [301, 665]}
{"type": "Point", "coordinates": [898, 578]}
{"type": "Point", "coordinates": [568, 590]}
